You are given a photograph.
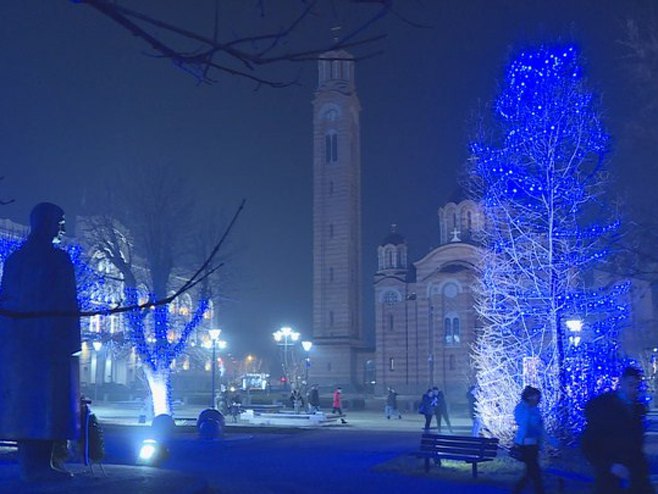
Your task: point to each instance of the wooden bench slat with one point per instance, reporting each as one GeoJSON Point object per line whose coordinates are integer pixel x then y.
{"type": "Point", "coordinates": [434, 447]}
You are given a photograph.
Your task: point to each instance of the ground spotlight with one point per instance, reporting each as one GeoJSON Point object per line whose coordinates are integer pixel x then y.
{"type": "Point", "coordinates": [152, 453]}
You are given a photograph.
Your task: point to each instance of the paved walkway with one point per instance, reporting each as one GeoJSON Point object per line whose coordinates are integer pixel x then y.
{"type": "Point", "coordinates": [119, 479]}
{"type": "Point", "coordinates": [363, 419]}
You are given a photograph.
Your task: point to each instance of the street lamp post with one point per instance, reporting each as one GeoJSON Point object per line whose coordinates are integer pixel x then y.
{"type": "Point", "coordinates": [307, 345]}
{"type": "Point", "coordinates": [97, 348]}
{"type": "Point", "coordinates": [284, 337]}
{"type": "Point", "coordinates": [575, 327]}
{"type": "Point", "coordinates": [214, 336]}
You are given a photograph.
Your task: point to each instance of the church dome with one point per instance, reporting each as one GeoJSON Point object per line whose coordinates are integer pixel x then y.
{"type": "Point", "coordinates": [393, 238]}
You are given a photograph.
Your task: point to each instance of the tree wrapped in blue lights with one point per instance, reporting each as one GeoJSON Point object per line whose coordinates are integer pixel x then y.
{"type": "Point", "coordinates": [157, 335]}
{"type": "Point", "coordinates": [540, 178]}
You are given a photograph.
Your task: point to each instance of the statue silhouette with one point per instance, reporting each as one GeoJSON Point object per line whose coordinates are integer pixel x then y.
{"type": "Point", "coordinates": [39, 369]}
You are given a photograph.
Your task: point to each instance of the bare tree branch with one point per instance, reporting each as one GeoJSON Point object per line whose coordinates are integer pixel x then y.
{"type": "Point", "coordinates": [200, 63]}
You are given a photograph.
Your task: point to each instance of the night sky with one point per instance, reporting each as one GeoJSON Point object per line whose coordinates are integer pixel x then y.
{"type": "Point", "coordinates": [81, 97]}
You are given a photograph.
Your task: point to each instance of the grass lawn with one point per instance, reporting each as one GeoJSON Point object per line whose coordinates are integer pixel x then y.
{"type": "Point", "coordinates": [568, 472]}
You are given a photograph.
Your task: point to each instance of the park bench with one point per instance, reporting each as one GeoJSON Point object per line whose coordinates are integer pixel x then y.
{"type": "Point", "coordinates": [469, 449]}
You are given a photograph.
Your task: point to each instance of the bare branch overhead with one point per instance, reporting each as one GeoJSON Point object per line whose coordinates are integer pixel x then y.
{"type": "Point", "coordinates": [242, 55]}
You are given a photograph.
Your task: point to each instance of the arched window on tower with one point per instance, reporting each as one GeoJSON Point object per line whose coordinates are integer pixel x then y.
{"type": "Point", "coordinates": [451, 331]}
{"type": "Point", "coordinates": [389, 259]}
{"type": "Point", "coordinates": [456, 336]}
{"type": "Point", "coordinates": [331, 147]}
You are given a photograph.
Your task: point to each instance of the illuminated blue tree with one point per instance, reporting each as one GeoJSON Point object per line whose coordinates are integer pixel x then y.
{"type": "Point", "coordinates": [540, 178]}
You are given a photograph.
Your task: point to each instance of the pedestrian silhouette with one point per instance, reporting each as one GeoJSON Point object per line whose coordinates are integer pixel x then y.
{"type": "Point", "coordinates": [39, 368]}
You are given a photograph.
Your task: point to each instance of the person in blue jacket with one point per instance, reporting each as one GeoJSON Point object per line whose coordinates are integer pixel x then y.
{"type": "Point", "coordinates": [528, 438]}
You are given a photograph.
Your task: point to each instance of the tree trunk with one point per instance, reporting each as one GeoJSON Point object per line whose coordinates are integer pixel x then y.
{"type": "Point", "coordinates": [160, 385]}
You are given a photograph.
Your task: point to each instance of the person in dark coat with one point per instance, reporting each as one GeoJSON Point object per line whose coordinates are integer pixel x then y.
{"type": "Point", "coordinates": [391, 407]}
{"type": "Point", "coordinates": [296, 400]}
{"type": "Point", "coordinates": [426, 409]}
{"type": "Point", "coordinates": [39, 368]}
{"type": "Point", "coordinates": [314, 399]}
{"type": "Point", "coordinates": [440, 408]}
{"type": "Point", "coordinates": [613, 440]}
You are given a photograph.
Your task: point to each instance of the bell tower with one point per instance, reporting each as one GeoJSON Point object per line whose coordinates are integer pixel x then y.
{"type": "Point", "coordinates": [337, 284]}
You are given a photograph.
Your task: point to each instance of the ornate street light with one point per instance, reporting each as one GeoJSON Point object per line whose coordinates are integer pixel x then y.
{"type": "Point", "coordinates": [307, 345]}
{"type": "Point", "coordinates": [575, 327]}
{"type": "Point", "coordinates": [285, 337]}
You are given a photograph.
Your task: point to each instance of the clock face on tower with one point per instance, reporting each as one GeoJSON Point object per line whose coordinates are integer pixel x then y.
{"type": "Point", "coordinates": [331, 115]}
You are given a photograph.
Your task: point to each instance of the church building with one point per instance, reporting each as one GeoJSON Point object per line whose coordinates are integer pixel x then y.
{"type": "Point", "coordinates": [424, 317]}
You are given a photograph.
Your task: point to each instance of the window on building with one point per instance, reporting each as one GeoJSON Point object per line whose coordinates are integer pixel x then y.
{"type": "Point", "coordinates": [452, 330]}
{"type": "Point", "coordinates": [328, 366]}
{"type": "Point", "coordinates": [451, 363]}
{"type": "Point", "coordinates": [391, 364]}
{"type": "Point", "coordinates": [391, 322]}
{"type": "Point", "coordinates": [331, 147]}
{"type": "Point", "coordinates": [456, 336]}
{"type": "Point", "coordinates": [331, 231]}
{"type": "Point", "coordinates": [391, 298]}
{"type": "Point", "coordinates": [95, 324]}
{"type": "Point", "coordinates": [331, 274]}
{"type": "Point", "coordinates": [331, 318]}
{"type": "Point", "coordinates": [331, 188]}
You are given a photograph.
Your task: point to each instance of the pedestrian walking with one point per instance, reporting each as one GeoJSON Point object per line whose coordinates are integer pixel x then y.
{"type": "Point", "coordinates": [613, 440]}
{"type": "Point", "coordinates": [440, 409]}
{"type": "Point", "coordinates": [296, 400]}
{"type": "Point", "coordinates": [236, 407]}
{"type": "Point", "coordinates": [314, 399]}
{"type": "Point", "coordinates": [471, 398]}
{"type": "Point", "coordinates": [426, 409]}
{"type": "Point", "coordinates": [40, 403]}
{"type": "Point", "coordinates": [338, 404]}
{"type": "Point", "coordinates": [528, 439]}
{"type": "Point", "coordinates": [391, 407]}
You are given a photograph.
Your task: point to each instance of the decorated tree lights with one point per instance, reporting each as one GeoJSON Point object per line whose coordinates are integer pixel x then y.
{"type": "Point", "coordinates": [540, 179]}
{"type": "Point", "coordinates": [158, 343]}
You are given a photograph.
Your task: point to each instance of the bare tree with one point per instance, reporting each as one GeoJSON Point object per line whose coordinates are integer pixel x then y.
{"type": "Point", "coordinates": [143, 231]}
